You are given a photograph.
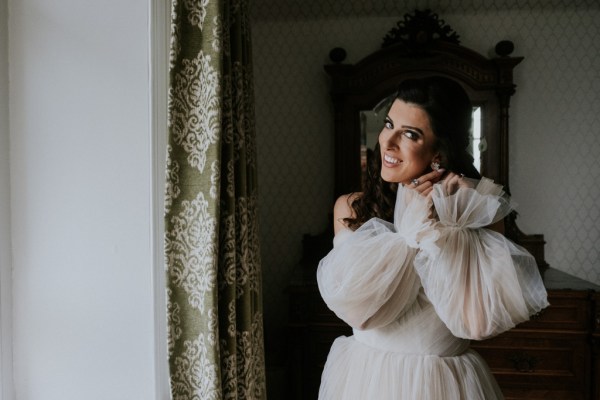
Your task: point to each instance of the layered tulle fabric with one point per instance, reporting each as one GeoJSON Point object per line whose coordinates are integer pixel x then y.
{"type": "Point", "coordinates": [365, 288]}
{"type": "Point", "coordinates": [355, 372]}
{"type": "Point", "coordinates": [416, 290]}
{"type": "Point", "coordinates": [480, 283]}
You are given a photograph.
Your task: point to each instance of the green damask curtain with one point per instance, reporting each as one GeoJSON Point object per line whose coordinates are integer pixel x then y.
{"type": "Point", "coordinates": [211, 234]}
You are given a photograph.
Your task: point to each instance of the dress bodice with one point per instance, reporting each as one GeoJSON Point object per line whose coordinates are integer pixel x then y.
{"type": "Point", "coordinates": [419, 331]}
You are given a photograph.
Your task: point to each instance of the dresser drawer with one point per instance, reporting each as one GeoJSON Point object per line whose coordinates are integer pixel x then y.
{"type": "Point", "coordinates": [568, 310]}
{"type": "Point", "coordinates": [538, 362]}
{"type": "Point", "coordinates": [544, 394]}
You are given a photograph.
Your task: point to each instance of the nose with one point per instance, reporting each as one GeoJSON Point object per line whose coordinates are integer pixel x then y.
{"type": "Point", "coordinates": [387, 141]}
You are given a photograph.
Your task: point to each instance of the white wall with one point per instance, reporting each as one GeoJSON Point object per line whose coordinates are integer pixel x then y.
{"type": "Point", "coordinates": [81, 189]}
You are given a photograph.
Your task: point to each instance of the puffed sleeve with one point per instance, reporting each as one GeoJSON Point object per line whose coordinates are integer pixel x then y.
{"type": "Point", "coordinates": [367, 279]}
{"type": "Point", "coordinates": [480, 283]}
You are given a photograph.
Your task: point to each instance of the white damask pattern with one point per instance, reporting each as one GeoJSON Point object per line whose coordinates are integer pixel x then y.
{"type": "Point", "coordinates": [247, 364]}
{"type": "Point", "coordinates": [196, 11]}
{"type": "Point", "coordinates": [175, 42]}
{"type": "Point", "coordinates": [172, 190]}
{"type": "Point", "coordinates": [251, 349]}
{"type": "Point", "coordinates": [213, 326]}
{"type": "Point", "coordinates": [216, 42]}
{"type": "Point", "coordinates": [195, 377]}
{"type": "Point", "coordinates": [190, 250]}
{"type": "Point", "coordinates": [215, 178]}
{"type": "Point", "coordinates": [174, 320]}
{"type": "Point", "coordinates": [194, 115]}
{"type": "Point", "coordinates": [249, 273]}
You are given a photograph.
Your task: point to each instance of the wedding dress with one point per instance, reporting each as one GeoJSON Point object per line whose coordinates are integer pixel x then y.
{"type": "Point", "coordinates": [417, 291]}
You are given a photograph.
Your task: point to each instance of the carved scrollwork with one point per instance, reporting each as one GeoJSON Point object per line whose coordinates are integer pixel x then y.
{"type": "Point", "coordinates": [419, 30]}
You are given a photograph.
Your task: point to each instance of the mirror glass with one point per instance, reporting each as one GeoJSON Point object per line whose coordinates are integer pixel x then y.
{"type": "Point", "coordinates": [371, 123]}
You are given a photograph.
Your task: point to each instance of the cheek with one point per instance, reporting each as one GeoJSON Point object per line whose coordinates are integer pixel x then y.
{"type": "Point", "coordinates": [382, 138]}
{"type": "Point", "coordinates": [415, 151]}
{"type": "Point", "coordinates": [411, 149]}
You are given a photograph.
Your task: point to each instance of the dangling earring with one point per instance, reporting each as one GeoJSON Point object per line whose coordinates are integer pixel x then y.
{"type": "Point", "coordinates": [435, 165]}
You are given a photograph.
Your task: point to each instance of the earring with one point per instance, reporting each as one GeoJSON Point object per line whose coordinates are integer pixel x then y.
{"type": "Point", "coordinates": [435, 165]}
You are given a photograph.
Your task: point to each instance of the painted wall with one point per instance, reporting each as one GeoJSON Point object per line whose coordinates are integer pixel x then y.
{"type": "Point", "coordinates": [554, 125]}
{"type": "Point", "coordinates": [80, 168]}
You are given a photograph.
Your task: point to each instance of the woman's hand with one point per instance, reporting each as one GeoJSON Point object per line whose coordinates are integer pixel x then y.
{"type": "Point", "coordinates": [452, 182]}
{"type": "Point", "coordinates": [424, 184]}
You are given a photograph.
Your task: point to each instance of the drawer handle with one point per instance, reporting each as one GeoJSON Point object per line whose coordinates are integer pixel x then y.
{"type": "Point", "coordinates": [524, 362]}
{"type": "Point", "coordinates": [537, 315]}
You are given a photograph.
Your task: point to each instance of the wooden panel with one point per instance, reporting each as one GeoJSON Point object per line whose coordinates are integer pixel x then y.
{"type": "Point", "coordinates": [570, 310]}
{"type": "Point", "coordinates": [542, 394]}
{"type": "Point", "coordinates": [537, 361]}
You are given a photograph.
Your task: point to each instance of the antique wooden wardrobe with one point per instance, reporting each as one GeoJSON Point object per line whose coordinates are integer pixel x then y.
{"type": "Point", "coordinates": [552, 356]}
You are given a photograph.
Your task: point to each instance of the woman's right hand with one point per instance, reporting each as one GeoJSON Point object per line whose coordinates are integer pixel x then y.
{"type": "Point", "coordinates": [424, 184]}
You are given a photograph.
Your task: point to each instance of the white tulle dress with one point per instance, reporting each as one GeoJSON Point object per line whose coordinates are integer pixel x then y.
{"type": "Point", "coordinates": [416, 291]}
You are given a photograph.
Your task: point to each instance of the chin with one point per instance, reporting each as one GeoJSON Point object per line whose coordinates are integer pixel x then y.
{"type": "Point", "coordinates": [390, 178]}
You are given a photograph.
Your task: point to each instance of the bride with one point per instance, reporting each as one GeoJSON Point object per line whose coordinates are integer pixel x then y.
{"type": "Point", "coordinates": [420, 265]}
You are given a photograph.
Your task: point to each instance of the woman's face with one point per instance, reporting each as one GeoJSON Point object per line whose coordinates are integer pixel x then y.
{"type": "Point", "coordinates": [407, 143]}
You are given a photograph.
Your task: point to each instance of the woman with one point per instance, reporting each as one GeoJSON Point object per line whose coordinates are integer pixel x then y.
{"type": "Point", "coordinates": [419, 267]}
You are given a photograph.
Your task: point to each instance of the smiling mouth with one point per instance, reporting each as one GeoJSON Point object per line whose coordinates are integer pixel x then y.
{"type": "Point", "coordinates": [391, 160]}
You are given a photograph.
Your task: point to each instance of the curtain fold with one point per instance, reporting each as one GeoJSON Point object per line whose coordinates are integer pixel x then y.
{"type": "Point", "coordinates": [212, 249]}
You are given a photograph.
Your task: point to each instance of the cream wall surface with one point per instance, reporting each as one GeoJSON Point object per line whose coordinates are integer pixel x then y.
{"type": "Point", "coordinates": [80, 196]}
{"type": "Point", "coordinates": [554, 125]}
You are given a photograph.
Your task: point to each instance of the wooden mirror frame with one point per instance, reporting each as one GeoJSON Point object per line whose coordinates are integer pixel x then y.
{"type": "Point", "coordinates": [423, 45]}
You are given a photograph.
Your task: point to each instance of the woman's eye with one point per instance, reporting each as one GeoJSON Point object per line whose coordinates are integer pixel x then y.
{"type": "Point", "coordinates": [388, 125]}
{"type": "Point", "coordinates": [411, 135]}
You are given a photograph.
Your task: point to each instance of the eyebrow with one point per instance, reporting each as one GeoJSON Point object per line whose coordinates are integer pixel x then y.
{"type": "Point", "coordinates": [413, 128]}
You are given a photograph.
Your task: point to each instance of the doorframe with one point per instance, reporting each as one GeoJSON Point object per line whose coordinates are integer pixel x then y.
{"type": "Point", "coordinates": [159, 31]}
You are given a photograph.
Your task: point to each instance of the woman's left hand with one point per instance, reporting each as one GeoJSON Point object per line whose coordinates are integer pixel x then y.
{"type": "Point", "coordinates": [452, 182]}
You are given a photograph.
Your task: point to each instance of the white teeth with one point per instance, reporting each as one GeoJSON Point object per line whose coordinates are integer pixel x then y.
{"type": "Point", "coordinates": [391, 160]}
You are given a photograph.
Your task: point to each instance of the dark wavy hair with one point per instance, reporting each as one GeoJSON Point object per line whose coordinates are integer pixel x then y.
{"type": "Point", "coordinates": [450, 113]}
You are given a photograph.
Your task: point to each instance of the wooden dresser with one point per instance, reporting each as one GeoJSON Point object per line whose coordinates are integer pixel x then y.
{"type": "Point", "coordinates": [555, 355]}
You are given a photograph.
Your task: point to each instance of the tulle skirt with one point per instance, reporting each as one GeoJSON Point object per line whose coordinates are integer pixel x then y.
{"type": "Point", "coordinates": [356, 371]}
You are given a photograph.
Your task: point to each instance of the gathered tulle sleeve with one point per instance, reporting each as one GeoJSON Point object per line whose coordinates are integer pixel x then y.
{"type": "Point", "coordinates": [368, 278]}
{"type": "Point", "coordinates": [480, 283]}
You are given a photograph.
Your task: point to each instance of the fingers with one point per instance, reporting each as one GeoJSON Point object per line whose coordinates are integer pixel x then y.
{"type": "Point", "coordinates": [451, 183]}
{"type": "Point", "coordinates": [427, 192]}
{"type": "Point", "coordinates": [433, 176]}
{"type": "Point", "coordinates": [426, 181]}
{"type": "Point", "coordinates": [420, 186]}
